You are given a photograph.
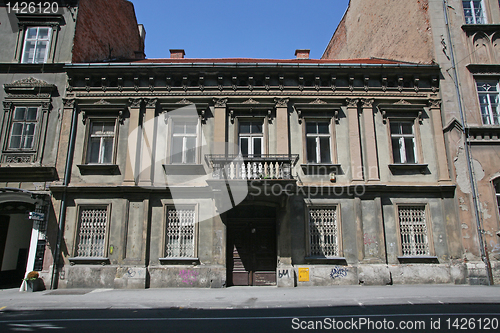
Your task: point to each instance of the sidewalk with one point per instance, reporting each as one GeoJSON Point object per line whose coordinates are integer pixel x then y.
{"type": "Point", "coordinates": [245, 297]}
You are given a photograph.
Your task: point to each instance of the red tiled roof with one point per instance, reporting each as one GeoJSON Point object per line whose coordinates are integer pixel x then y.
{"type": "Point", "coordinates": [264, 61]}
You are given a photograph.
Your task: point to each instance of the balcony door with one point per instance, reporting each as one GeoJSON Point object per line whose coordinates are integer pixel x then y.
{"type": "Point", "coordinates": [250, 138]}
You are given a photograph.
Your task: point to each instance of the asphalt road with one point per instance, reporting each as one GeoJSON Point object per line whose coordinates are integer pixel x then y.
{"type": "Point", "coordinates": [380, 318]}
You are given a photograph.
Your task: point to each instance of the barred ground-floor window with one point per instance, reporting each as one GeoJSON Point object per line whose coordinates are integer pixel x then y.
{"type": "Point", "coordinates": [92, 232]}
{"type": "Point", "coordinates": [180, 237]}
{"type": "Point", "coordinates": [413, 230]}
{"type": "Point", "coordinates": [324, 239]}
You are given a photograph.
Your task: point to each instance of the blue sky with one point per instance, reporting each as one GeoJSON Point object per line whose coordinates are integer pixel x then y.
{"type": "Point", "coordinates": [238, 28]}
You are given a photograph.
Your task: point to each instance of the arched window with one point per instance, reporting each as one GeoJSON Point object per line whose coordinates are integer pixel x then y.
{"type": "Point", "coordinates": [481, 49]}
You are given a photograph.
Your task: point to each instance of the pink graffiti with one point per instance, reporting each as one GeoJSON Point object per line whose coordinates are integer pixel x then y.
{"type": "Point", "coordinates": [368, 240]}
{"type": "Point", "coordinates": [188, 277]}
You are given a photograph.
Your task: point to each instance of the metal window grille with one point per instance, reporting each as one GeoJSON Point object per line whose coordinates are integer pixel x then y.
{"type": "Point", "coordinates": [323, 232]}
{"type": "Point", "coordinates": [92, 232]}
{"type": "Point", "coordinates": [413, 228]}
{"type": "Point", "coordinates": [180, 233]}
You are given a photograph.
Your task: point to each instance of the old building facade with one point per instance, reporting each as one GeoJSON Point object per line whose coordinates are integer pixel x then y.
{"type": "Point", "coordinates": [221, 172]}
{"type": "Point", "coordinates": [460, 36]}
{"type": "Point", "coordinates": [35, 46]}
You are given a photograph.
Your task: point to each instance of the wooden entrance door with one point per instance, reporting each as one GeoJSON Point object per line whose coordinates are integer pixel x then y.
{"type": "Point", "coordinates": [252, 252]}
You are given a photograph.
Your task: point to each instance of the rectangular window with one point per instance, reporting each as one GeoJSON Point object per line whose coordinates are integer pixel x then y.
{"type": "Point", "coordinates": [403, 142]}
{"type": "Point", "coordinates": [184, 139]}
{"type": "Point", "coordinates": [413, 230]}
{"type": "Point", "coordinates": [91, 239]}
{"type": "Point", "coordinates": [180, 233]}
{"type": "Point", "coordinates": [36, 45]}
{"type": "Point", "coordinates": [323, 232]}
{"type": "Point", "coordinates": [251, 139]}
{"type": "Point", "coordinates": [488, 101]}
{"type": "Point", "coordinates": [474, 12]}
{"type": "Point", "coordinates": [318, 142]}
{"type": "Point", "coordinates": [22, 132]}
{"type": "Point", "coordinates": [101, 142]}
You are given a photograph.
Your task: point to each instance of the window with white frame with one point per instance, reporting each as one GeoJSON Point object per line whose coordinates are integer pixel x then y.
{"type": "Point", "coordinates": [23, 128]}
{"type": "Point", "coordinates": [251, 138]}
{"type": "Point", "coordinates": [101, 143]}
{"type": "Point", "coordinates": [318, 142]}
{"type": "Point", "coordinates": [474, 12]}
{"type": "Point", "coordinates": [488, 102]}
{"type": "Point", "coordinates": [184, 141]}
{"type": "Point", "coordinates": [403, 142]}
{"type": "Point", "coordinates": [324, 232]}
{"type": "Point", "coordinates": [92, 232]}
{"type": "Point", "coordinates": [180, 236]}
{"type": "Point", "coordinates": [496, 184]}
{"type": "Point", "coordinates": [36, 45]}
{"type": "Point", "coordinates": [413, 231]}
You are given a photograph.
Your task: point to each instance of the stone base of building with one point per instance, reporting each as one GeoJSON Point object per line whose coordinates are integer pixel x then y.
{"type": "Point", "coordinates": [202, 276]}
{"type": "Point", "coordinates": [186, 276]}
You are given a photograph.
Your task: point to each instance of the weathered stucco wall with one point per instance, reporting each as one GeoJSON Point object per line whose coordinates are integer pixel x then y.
{"type": "Point", "coordinates": [106, 30]}
{"type": "Point", "coordinates": [391, 29]}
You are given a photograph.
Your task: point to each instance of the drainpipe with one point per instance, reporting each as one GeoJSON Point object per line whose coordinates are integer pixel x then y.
{"type": "Point", "coordinates": [484, 252]}
{"type": "Point", "coordinates": [62, 212]}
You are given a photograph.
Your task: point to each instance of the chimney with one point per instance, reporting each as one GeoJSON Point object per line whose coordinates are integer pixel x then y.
{"type": "Point", "coordinates": [302, 53]}
{"type": "Point", "coordinates": [177, 53]}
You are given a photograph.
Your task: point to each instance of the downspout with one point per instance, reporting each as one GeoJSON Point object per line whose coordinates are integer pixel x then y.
{"type": "Point", "coordinates": [62, 212]}
{"type": "Point", "coordinates": [484, 253]}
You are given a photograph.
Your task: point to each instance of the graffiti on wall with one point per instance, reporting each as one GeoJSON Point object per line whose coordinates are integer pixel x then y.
{"type": "Point", "coordinates": [188, 276]}
{"type": "Point", "coordinates": [283, 273]}
{"type": "Point", "coordinates": [338, 272]}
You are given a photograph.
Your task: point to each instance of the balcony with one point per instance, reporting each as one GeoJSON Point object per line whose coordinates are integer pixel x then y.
{"type": "Point", "coordinates": [269, 166]}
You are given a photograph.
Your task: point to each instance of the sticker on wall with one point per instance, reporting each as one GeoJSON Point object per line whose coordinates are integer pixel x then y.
{"type": "Point", "coordinates": [303, 274]}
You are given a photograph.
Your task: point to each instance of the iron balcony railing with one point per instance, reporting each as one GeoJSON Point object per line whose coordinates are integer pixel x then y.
{"type": "Point", "coordinates": [264, 166]}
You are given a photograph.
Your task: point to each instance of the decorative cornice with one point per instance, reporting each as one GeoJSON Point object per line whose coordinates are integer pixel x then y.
{"type": "Point", "coordinates": [250, 101]}
{"type": "Point", "coordinates": [183, 101]}
{"type": "Point", "coordinates": [281, 102]}
{"type": "Point", "coordinates": [69, 103]}
{"type": "Point", "coordinates": [220, 102]}
{"type": "Point", "coordinates": [102, 102]}
{"type": "Point", "coordinates": [151, 102]}
{"type": "Point", "coordinates": [402, 102]}
{"type": "Point", "coordinates": [29, 82]}
{"type": "Point", "coordinates": [435, 103]}
{"type": "Point", "coordinates": [367, 103]}
{"type": "Point", "coordinates": [135, 102]}
{"type": "Point", "coordinates": [352, 102]}
{"type": "Point", "coordinates": [318, 101]}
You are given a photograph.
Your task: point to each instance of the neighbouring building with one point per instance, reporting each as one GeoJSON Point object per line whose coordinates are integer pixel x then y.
{"type": "Point", "coordinates": [462, 37]}
{"type": "Point", "coordinates": [35, 47]}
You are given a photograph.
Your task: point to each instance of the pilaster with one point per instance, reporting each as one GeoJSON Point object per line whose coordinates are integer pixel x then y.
{"type": "Point", "coordinates": [371, 169]}
{"type": "Point", "coordinates": [282, 125]}
{"type": "Point", "coordinates": [133, 140]}
{"type": "Point", "coordinates": [354, 140]}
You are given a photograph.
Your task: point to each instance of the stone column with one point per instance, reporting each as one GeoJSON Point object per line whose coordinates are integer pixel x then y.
{"type": "Point", "coordinates": [371, 168]}
{"type": "Point", "coordinates": [354, 140]}
{"type": "Point", "coordinates": [148, 143]}
{"type": "Point", "coordinates": [442, 161]}
{"type": "Point", "coordinates": [132, 141]}
{"type": "Point", "coordinates": [220, 125]}
{"type": "Point", "coordinates": [281, 125]}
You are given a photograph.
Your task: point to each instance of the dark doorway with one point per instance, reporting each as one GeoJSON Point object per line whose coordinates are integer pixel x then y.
{"type": "Point", "coordinates": [251, 257]}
